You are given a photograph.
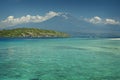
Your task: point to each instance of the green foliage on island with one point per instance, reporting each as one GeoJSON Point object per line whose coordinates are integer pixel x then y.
{"type": "Point", "coordinates": [31, 32]}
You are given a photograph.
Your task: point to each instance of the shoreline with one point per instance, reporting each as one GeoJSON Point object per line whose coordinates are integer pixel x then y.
{"type": "Point", "coordinates": [115, 39]}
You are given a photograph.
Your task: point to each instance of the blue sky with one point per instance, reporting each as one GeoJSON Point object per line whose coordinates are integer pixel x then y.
{"type": "Point", "coordinates": [86, 8]}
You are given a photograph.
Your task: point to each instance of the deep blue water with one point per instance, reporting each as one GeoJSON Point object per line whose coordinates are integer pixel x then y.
{"type": "Point", "coordinates": [60, 59]}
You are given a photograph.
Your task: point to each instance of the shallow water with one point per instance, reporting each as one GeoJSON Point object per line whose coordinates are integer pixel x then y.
{"type": "Point", "coordinates": [59, 59]}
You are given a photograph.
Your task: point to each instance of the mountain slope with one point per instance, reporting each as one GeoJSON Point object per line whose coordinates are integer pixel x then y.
{"type": "Point", "coordinates": [81, 28]}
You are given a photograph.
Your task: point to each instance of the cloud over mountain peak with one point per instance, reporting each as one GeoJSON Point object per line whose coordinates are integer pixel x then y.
{"type": "Point", "coordinates": [12, 21]}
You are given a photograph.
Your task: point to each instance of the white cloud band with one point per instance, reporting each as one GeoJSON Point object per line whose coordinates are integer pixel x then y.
{"type": "Point", "coordinates": [11, 21]}
{"type": "Point", "coordinates": [112, 21]}
{"type": "Point", "coordinates": [98, 20]}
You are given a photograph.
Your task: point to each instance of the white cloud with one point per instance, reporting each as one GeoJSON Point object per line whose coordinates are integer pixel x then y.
{"type": "Point", "coordinates": [112, 21]}
{"type": "Point", "coordinates": [65, 16]}
{"type": "Point", "coordinates": [94, 20]}
{"type": "Point", "coordinates": [11, 21]}
{"type": "Point", "coordinates": [98, 20]}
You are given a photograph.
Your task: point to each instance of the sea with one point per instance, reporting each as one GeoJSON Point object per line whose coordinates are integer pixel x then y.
{"type": "Point", "coordinates": [60, 59]}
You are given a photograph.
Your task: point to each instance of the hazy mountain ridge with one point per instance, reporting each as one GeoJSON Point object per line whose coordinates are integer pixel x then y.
{"type": "Point", "coordinates": [76, 27]}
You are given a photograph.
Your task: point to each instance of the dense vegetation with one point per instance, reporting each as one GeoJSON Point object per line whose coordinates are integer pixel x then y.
{"type": "Point", "coordinates": [31, 32]}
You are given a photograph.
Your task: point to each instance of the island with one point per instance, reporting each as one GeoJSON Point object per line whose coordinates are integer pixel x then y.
{"type": "Point", "coordinates": [30, 33]}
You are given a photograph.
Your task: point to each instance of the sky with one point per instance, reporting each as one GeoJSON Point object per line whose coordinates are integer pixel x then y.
{"type": "Point", "coordinates": [91, 10]}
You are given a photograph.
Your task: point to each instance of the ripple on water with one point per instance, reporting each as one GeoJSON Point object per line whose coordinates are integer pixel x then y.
{"type": "Point", "coordinates": [70, 47]}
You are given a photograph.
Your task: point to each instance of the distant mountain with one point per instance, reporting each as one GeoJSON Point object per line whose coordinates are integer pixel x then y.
{"type": "Point", "coordinates": [76, 27]}
{"type": "Point", "coordinates": [30, 32]}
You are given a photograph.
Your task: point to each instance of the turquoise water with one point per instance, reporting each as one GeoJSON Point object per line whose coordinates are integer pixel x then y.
{"type": "Point", "coordinates": [60, 59]}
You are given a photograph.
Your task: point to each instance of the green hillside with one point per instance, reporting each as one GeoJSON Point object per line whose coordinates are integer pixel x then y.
{"type": "Point", "coordinates": [31, 32]}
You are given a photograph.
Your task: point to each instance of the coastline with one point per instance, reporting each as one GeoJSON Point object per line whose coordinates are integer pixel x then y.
{"type": "Point", "coordinates": [115, 39]}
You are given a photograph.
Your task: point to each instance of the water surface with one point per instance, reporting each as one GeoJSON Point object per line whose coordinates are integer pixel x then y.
{"type": "Point", "coordinates": [60, 59]}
